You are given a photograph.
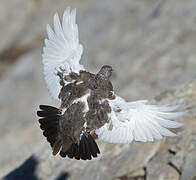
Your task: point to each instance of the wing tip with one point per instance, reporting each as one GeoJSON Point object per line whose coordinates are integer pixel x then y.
{"type": "Point", "coordinates": [179, 125]}
{"type": "Point", "coordinates": [74, 11]}
{"type": "Point", "coordinates": [68, 9]}
{"type": "Point", "coordinates": [56, 14]}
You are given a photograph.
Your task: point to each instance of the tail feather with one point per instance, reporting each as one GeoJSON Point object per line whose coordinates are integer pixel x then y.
{"type": "Point", "coordinates": [56, 148]}
{"type": "Point", "coordinates": [51, 140]}
{"type": "Point", "coordinates": [46, 113]}
{"type": "Point", "coordinates": [50, 132]}
{"type": "Point", "coordinates": [48, 108]}
{"type": "Point", "coordinates": [63, 154]}
{"type": "Point", "coordinates": [93, 147]}
{"type": "Point", "coordinates": [71, 151]}
{"type": "Point", "coordinates": [49, 119]}
{"type": "Point", "coordinates": [49, 123]}
{"type": "Point", "coordinates": [88, 153]}
{"type": "Point", "coordinates": [82, 149]}
{"type": "Point", "coordinates": [77, 153]}
{"type": "Point", "coordinates": [86, 149]}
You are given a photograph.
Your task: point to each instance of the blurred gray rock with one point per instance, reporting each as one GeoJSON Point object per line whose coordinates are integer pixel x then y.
{"type": "Point", "coordinates": [152, 41]}
{"type": "Point", "coordinates": [151, 46]}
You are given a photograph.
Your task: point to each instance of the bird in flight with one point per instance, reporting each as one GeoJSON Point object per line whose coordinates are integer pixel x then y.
{"type": "Point", "coordinates": [89, 109]}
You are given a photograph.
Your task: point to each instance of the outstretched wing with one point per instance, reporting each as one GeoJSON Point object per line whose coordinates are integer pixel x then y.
{"type": "Point", "coordinates": [138, 121]}
{"type": "Point", "coordinates": [62, 51]}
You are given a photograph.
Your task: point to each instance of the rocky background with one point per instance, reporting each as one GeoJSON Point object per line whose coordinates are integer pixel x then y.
{"type": "Point", "coordinates": [151, 44]}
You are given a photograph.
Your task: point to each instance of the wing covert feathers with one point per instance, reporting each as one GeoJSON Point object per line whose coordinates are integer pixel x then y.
{"type": "Point", "coordinates": [139, 121]}
{"type": "Point", "coordinates": [62, 51]}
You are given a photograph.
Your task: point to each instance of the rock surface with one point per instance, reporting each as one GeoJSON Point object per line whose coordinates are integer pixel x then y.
{"type": "Point", "coordinates": [150, 44]}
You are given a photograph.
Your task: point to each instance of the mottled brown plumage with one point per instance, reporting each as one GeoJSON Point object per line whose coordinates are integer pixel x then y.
{"type": "Point", "coordinates": [71, 125]}
{"type": "Point", "coordinates": [70, 135]}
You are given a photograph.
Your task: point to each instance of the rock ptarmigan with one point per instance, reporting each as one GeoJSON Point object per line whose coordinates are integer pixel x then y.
{"type": "Point", "coordinates": [89, 109]}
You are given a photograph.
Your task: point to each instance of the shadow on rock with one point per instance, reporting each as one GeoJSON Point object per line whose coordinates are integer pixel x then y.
{"type": "Point", "coordinates": [25, 171]}
{"type": "Point", "coordinates": [28, 171]}
{"type": "Point", "coordinates": [63, 176]}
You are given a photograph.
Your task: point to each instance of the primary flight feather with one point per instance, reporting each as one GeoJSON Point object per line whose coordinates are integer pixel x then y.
{"type": "Point", "coordinates": [89, 108]}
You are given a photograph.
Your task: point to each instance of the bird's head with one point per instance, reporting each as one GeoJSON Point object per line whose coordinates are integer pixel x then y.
{"type": "Point", "coordinates": [105, 72]}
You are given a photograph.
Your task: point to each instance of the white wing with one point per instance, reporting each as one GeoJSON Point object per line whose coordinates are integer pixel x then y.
{"type": "Point", "coordinates": [138, 121]}
{"type": "Point", "coordinates": [62, 51]}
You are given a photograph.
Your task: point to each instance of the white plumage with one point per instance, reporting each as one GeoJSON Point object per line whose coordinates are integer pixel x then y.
{"type": "Point", "coordinates": [130, 121]}
{"type": "Point", "coordinates": [139, 121]}
{"type": "Point", "coordinates": [62, 51]}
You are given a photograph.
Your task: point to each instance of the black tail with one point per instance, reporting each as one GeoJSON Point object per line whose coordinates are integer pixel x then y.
{"type": "Point", "coordinates": [85, 150]}
{"type": "Point", "coordinates": [49, 123]}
